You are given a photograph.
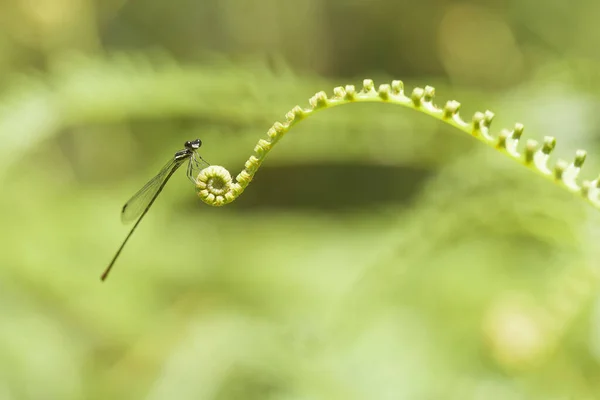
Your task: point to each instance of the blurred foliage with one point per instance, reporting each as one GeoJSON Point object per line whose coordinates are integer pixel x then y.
{"type": "Point", "coordinates": [376, 255]}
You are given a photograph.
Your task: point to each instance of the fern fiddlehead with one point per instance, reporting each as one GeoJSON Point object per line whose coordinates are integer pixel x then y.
{"type": "Point", "coordinates": [216, 187]}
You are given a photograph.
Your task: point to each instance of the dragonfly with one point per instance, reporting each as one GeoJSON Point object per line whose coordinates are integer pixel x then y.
{"type": "Point", "coordinates": [140, 203]}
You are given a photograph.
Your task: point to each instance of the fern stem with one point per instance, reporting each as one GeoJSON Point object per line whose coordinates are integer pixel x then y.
{"type": "Point", "coordinates": [216, 187]}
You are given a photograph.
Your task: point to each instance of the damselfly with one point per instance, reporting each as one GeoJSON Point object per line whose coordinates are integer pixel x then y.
{"type": "Point", "coordinates": [140, 203]}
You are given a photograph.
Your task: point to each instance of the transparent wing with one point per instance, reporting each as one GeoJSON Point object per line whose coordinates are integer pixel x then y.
{"type": "Point", "coordinates": [196, 164]}
{"type": "Point", "coordinates": [140, 201]}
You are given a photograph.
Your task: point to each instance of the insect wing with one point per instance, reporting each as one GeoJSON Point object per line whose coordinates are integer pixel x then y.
{"type": "Point", "coordinates": [140, 201]}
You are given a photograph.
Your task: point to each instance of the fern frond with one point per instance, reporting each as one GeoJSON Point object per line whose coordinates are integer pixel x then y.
{"type": "Point", "coordinates": [216, 187]}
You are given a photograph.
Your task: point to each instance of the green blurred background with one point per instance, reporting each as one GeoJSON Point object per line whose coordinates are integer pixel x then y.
{"type": "Point", "coordinates": [378, 254]}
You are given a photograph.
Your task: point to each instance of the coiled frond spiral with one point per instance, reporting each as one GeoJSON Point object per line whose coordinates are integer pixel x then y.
{"type": "Point", "coordinates": [216, 187]}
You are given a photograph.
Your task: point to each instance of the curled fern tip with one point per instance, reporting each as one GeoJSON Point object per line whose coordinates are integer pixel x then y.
{"type": "Point", "coordinates": [216, 187]}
